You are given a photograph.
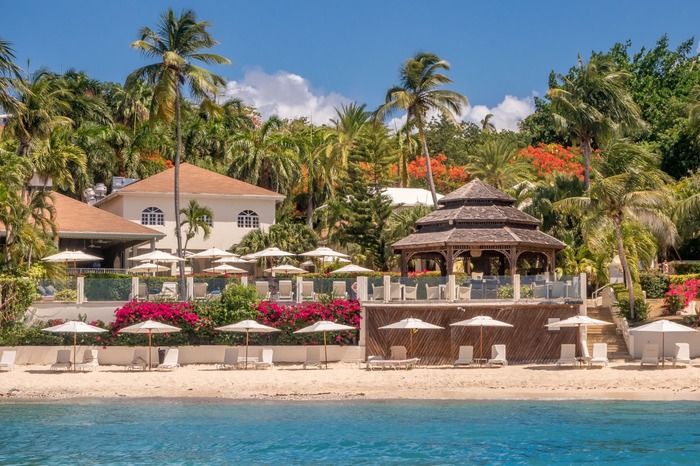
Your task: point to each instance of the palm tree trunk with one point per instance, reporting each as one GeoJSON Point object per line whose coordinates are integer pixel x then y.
{"type": "Point", "coordinates": [625, 266]}
{"type": "Point", "coordinates": [176, 189]}
{"type": "Point", "coordinates": [310, 210]}
{"type": "Point", "coordinates": [586, 146]}
{"type": "Point", "coordinates": [429, 168]}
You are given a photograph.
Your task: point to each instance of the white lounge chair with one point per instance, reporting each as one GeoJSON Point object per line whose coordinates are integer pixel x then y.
{"type": "Point", "coordinates": [170, 362]}
{"type": "Point", "coordinates": [410, 292]}
{"type": "Point", "coordinates": [340, 290]}
{"type": "Point", "coordinates": [396, 359]}
{"type": "Point", "coordinates": [463, 292]}
{"type": "Point", "coordinates": [432, 293]}
{"type": "Point", "coordinates": [265, 358]}
{"type": "Point", "coordinates": [90, 361]}
{"type": "Point", "coordinates": [568, 355]}
{"type": "Point", "coordinates": [139, 362]}
{"type": "Point", "coordinates": [8, 360]}
{"type": "Point", "coordinates": [650, 355]}
{"type": "Point", "coordinates": [168, 291]}
{"type": "Point", "coordinates": [600, 354]}
{"type": "Point", "coordinates": [682, 354]}
{"type": "Point", "coordinates": [377, 293]}
{"type": "Point", "coordinates": [62, 360]}
{"type": "Point", "coordinates": [395, 292]}
{"type": "Point", "coordinates": [230, 359]}
{"type": "Point", "coordinates": [263, 289]}
{"type": "Point", "coordinates": [466, 356]}
{"type": "Point", "coordinates": [585, 357]}
{"type": "Point", "coordinates": [307, 291]}
{"type": "Point", "coordinates": [142, 292]}
{"type": "Point", "coordinates": [199, 291]}
{"type": "Point", "coordinates": [285, 293]}
{"type": "Point", "coordinates": [498, 355]}
{"type": "Point", "coordinates": [397, 352]}
{"type": "Point", "coordinates": [313, 357]}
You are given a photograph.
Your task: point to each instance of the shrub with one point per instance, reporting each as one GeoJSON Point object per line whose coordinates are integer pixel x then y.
{"type": "Point", "coordinates": [16, 295]}
{"type": "Point", "coordinates": [66, 294]}
{"type": "Point", "coordinates": [680, 279]}
{"type": "Point", "coordinates": [107, 287]}
{"type": "Point", "coordinates": [641, 307]}
{"type": "Point", "coordinates": [679, 296]}
{"type": "Point", "coordinates": [686, 268]}
{"type": "Point", "coordinates": [655, 284]}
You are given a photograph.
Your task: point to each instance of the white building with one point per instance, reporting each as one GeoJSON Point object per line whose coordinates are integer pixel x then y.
{"type": "Point", "coordinates": [409, 197]}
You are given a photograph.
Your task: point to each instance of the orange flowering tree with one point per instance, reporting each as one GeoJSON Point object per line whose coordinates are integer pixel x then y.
{"type": "Point", "coordinates": [550, 159]}
{"type": "Point", "coordinates": [447, 178]}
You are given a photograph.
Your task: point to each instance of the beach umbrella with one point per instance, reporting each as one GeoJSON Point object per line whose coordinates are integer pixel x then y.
{"type": "Point", "coordinates": [150, 327]}
{"type": "Point", "coordinates": [269, 252]}
{"type": "Point", "coordinates": [157, 256]}
{"type": "Point", "coordinates": [578, 321]}
{"type": "Point", "coordinates": [323, 252]}
{"type": "Point", "coordinates": [286, 269]}
{"type": "Point", "coordinates": [213, 253]}
{"type": "Point", "coordinates": [663, 327]}
{"type": "Point", "coordinates": [325, 326]}
{"type": "Point", "coordinates": [352, 268]}
{"type": "Point", "coordinates": [230, 260]}
{"type": "Point", "coordinates": [247, 326]}
{"type": "Point", "coordinates": [413, 325]}
{"type": "Point", "coordinates": [225, 268]}
{"type": "Point", "coordinates": [71, 256]}
{"type": "Point", "coordinates": [148, 267]}
{"type": "Point", "coordinates": [481, 322]}
{"type": "Point", "coordinates": [75, 327]}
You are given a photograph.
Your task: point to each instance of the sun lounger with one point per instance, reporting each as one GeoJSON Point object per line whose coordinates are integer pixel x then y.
{"type": "Point", "coordinates": [168, 291]}
{"type": "Point", "coordinates": [313, 357]}
{"type": "Point", "coordinates": [62, 360]}
{"type": "Point", "coordinates": [463, 292]}
{"type": "Point", "coordinates": [395, 292]}
{"type": "Point", "coordinates": [650, 355]}
{"type": "Point", "coordinates": [230, 359]}
{"type": "Point", "coordinates": [263, 289]}
{"type": "Point", "coordinates": [410, 292]}
{"type": "Point", "coordinates": [682, 354]}
{"type": "Point", "coordinates": [199, 291]}
{"type": "Point", "coordinates": [142, 294]}
{"type": "Point", "coordinates": [139, 362]}
{"type": "Point", "coordinates": [432, 293]}
{"type": "Point", "coordinates": [90, 361]}
{"type": "Point", "coordinates": [340, 290]}
{"type": "Point", "coordinates": [170, 362]}
{"type": "Point", "coordinates": [568, 355]}
{"type": "Point", "coordinates": [585, 357]}
{"type": "Point", "coordinates": [265, 358]}
{"type": "Point", "coordinates": [397, 352]}
{"type": "Point", "coordinates": [285, 291]}
{"type": "Point", "coordinates": [376, 361]}
{"type": "Point", "coordinates": [498, 355]}
{"type": "Point", "coordinates": [377, 293]}
{"type": "Point", "coordinates": [307, 291]}
{"type": "Point", "coordinates": [466, 356]}
{"type": "Point", "coordinates": [8, 360]}
{"type": "Point", "coordinates": [600, 354]}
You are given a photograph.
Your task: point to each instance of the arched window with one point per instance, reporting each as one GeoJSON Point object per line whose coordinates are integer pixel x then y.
{"type": "Point", "coordinates": [152, 216]}
{"type": "Point", "coordinates": [248, 219]}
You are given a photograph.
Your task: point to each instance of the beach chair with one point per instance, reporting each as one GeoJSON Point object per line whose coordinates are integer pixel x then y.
{"type": "Point", "coordinates": [463, 292]}
{"type": "Point", "coordinates": [600, 354]}
{"type": "Point", "coordinates": [263, 289]}
{"type": "Point", "coordinates": [265, 358]}
{"type": "Point", "coordinates": [307, 291]}
{"type": "Point", "coordinates": [397, 352]}
{"type": "Point", "coordinates": [168, 291]}
{"type": "Point", "coordinates": [397, 358]}
{"type": "Point", "coordinates": [377, 293]}
{"type": "Point", "coordinates": [466, 356]}
{"type": "Point", "coordinates": [395, 292]}
{"type": "Point", "coordinates": [650, 355]}
{"type": "Point", "coordinates": [62, 360]}
{"type": "Point", "coordinates": [230, 359]}
{"type": "Point", "coordinates": [139, 362]}
{"type": "Point", "coordinates": [170, 362]}
{"type": "Point", "coordinates": [285, 293]}
{"type": "Point", "coordinates": [682, 355]}
{"type": "Point", "coordinates": [410, 292]}
{"type": "Point", "coordinates": [432, 293]}
{"type": "Point", "coordinates": [142, 292]}
{"type": "Point", "coordinates": [313, 357]}
{"type": "Point", "coordinates": [568, 355]}
{"type": "Point", "coordinates": [340, 290]}
{"type": "Point", "coordinates": [498, 355]}
{"type": "Point", "coordinates": [8, 360]}
{"type": "Point", "coordinates": [199, 291]}
{"type": "Point", "coordinates": [90, 361]}
{"type": "Point", "coordinates": [585, 357]}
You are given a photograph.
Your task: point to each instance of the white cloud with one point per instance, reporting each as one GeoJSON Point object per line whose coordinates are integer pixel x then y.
{"type": "Point", "coordinates": [506, 115]}
{"type": "Point", "coordinates": [285, 94]}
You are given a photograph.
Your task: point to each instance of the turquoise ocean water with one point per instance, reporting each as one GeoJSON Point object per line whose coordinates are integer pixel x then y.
{"type": "Point", "coordinates": [193, 433]}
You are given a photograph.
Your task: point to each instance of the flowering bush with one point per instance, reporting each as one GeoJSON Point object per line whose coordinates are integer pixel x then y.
{"type": "Point", "coordinates": [554, 158]}
{"type": "Point", "coordinates": [679, 296]}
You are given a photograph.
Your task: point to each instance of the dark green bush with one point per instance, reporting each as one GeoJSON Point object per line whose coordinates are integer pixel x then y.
{"type": "Point", "coordinates": [641, 307]}
{"type": "Point", "coordinates": [108, 287]}
{"type": "Point", "coordinates": [686, 268]}
{"type": "Point", "coordinates": [655, 284]}
{"type": "Point", "coordinates": [680, 279]}
{"type": "Point", "coordinates": [16, 295]}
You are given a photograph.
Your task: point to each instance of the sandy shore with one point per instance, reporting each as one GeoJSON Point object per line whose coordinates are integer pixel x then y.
{"type": "Point", "coordinates": [622, 380]}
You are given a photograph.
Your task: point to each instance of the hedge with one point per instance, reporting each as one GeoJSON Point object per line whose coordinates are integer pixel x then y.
{"type": "Point", "coordinates": [641, 307]}
{"type": "Point", "coordinates": [16, 295]}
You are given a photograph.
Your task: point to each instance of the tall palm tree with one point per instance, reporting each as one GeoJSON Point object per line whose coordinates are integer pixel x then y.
{"type": "Point", "coordinates": [487, 125]}
{"type": "Point", "coordinates": [10, 77]}
{"type": "Point", "coordinates": [318, 167]}
{"type": "Point", "coordinates": [418, 94]}
{"type": "Point", "coordinates": [197, 218]}
{"type": "Point", "coordinates": [495, 162]}
{"type": "Point", "coordinates": [347, 129]}
{"type": "Point", "coordinates": [177, 43]}
{"type": "Point", "coordinates": [58, 159]}
{"type": "Point", "coordinates": [593, 103]}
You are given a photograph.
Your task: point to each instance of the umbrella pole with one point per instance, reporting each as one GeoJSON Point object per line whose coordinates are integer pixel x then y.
{"type": "Point", "coordinates": [150, 350]}
{"type": "Point", "coordinates": [481, 342]}
{"type": "Point", "coordinates": [663, 352]}
{"type": "Point", "coordinates": [325, 348]}
{"type": "Point", "coordinates": [75, 338]}
{"type": "Point", "coordinates": [410, 343]}
{"type": "Point", "coordinates": [246, 349]}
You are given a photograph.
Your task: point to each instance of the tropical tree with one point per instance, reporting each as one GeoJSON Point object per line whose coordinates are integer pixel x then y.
{"type": "Point", "coordinates": [178, 42]}
{"type": "Point", "coordinates": [375, 152]}
{"type": "Point", "coordinates": [196, 218]}
{"type": "Point", "coordinates": [417, 94]}
{"type": "Point", "coordinates": [318, 168]}
{"type": "Point", "coordinates": [487, 125]}
{"type": "Point", "coordinates": [10, 77]}
{"type": "Point", "coordinates": [496, 163]}
{"type": "Point", "coordinates": [347, 129]}
{"type": "Point", "coordinates": [592, 103]}
{"type": "Point", "coordinates": [59, 159]}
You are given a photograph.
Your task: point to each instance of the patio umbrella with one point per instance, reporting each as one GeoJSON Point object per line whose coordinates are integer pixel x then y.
{"type": "Point", "coordinates": [75, 327]}
{"type": "Point", "coordinates": [325, 326]}
{"type": "Point", "coordinates": [481, 322]}
{"type": "Point", "coordinates": [411, 324]}
{"type": "Point", "coordinates": [269, 253]}
{"type": "Point", "coordinates": [352, 268]}
{"type": "Point", "coordinates": [225, 268]}
{"type": "Point", "coordinates": [150, 327]}
{"type": "Point", "coordinates": [157, 256]}
{"type": "Point", "coordinates": [230, 260]}
{"type": "Point", "coordinates": [148, 267]}
{"type": "Point", "coordinates": [323, 252]}
{"type": "Point", "coordinates": [213, 253]}
{"type": "Point", "coordinates": [286, 269]}
{"type": "Point", "coordinates": [247, 326]}
{"type": "Point", "coordinates": [71, 256]}
{"type": "Point", "coordinates": [662, 326]}
{"type": "Point", "coordinates": [578, 321]}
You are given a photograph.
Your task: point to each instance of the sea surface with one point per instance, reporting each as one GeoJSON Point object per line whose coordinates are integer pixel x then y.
{"type": "Point", "coordinates": [190, 432]}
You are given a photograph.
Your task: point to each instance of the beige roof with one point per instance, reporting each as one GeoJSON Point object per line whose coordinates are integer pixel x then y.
{"type": "Point", "coordinates": [466, 237]}
{"type": "Point", "coordinates": [196, 180]}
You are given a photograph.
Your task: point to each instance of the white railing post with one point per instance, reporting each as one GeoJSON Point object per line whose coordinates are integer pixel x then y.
{"type": "Point", "coordinates": [516, 287]}
{"type": "Point", "coordinates": [362, 292]}
{"type": "Point", "coordinates": [387, 288]}
{"type": "Point", "coordinates": [451, 288]}
{"type": "Point", "coordinates": [299, 287]}
{"type": "Point", "coordinates": [80, 289]}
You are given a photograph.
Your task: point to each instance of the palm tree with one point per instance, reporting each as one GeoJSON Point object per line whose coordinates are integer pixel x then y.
{"type": "Point", "coordinates": [487, 125]}
{"type": "Point", "coordinates": [418, 94]}
{"type": "Point", "coordinates": [629, 189]}
{"type": "Point", "coordinates": [593, 103]}
{"type": "Point", "coordinates": [318, 167]}
{"type": "Point", "coordinates": [10, 77]}
{"type": "Point", "coordinates": [347, 129]}
{"type": "Point", "coordinates": [58, 159]}
{"type": "Point", "coordinates": [496, 163]}
{"type": "Point", "coordinates": [197, 218]}
{"type": "Point", "coordinates": [177, 43]}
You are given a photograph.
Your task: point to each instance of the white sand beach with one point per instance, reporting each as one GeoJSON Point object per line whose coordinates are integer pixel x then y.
{"type": "Point", "coordinates": [344, 381]}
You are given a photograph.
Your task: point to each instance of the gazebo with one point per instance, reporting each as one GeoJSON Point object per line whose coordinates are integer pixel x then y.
{"type": "Point", "coordinates": [478, 224]}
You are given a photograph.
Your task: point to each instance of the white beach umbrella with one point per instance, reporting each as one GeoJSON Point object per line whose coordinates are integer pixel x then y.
{"type": "Point", "coordinates": [71, 256]}
{"type": "Point", "coordinates": [481, 322]}
{"type": "Point", "coordinates": [269, 252]}
{"type": "Point", "coordinates": [578, 321]}
{"type": "Point", "coordinates": [325, 326]}
{"type": "Point", "coordinates": [411, 324]}
{"type": "Point", "coordinates": [352, 268]}
{"type": "Point", "coordinates": [663, 327]}
{"type": "Point", "coordinates": [225, 268]}
{"type": "Point", "coordinates": [247, 326]}
{"type": "Point", "coordinates": [331, 260]}
{"type": "Point", "coordinates": [231, 260]}
{"type": "Point", "coordinates": [286, 269]}
{"type": "Point", "coordinates": [75, 327]}
{"type": "Point", "coordinates": [157, 256]}
{"type": "Point", "coordinates": [213, 253]}
{"type": "Point", "coordinates": [323, 252]}
{"type": "Point", "coordinates": [150, 327]}
{"type": "Point", "coordinates": [148, 267]}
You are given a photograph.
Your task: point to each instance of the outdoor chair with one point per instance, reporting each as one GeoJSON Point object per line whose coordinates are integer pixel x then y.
{"type": "Point", "coordinates": [199, 291]}
{"type": "Point", "coordinates": [568, 355]}
{"type": "Point", "coordinates": [8, 360]}
{"type": "Point", "coordinates": [477, 275]}
{"type": "Point", "coordinates": [139, 362]}
{"type": "Point", "coordinates": [395, 292]}
{"type": "Point", "coordinates": [585, 357]}
{"type": "Point", "coordinates": [263, 289]}
{"type": "Point", "coordinates": [650, 355]}
{"type": "Point", "coordinates": [230, 359]}
{"type": "Point", "coordinates": [170, 362]}
{"type": "Point", "coordinates": [397, 358]}
{"type": "Point", "coordinates": [541, 291]}
{"type": "Point", "coordinates": [377, 293]}
{"type": "Point", "coordinates": [466, 356]}
{"type": "Point", "coordinates": [410, 292]}
{"type": "Point", "coordinates": [498, 355]}
{"type": "Point", "coordinates": [62, 360]}
{"type": "Point", "coordinates": [90, 361]}
{"type": "Point", "coordinates": [600, 354]}
{"type": "Point", "coordinates": [340, 290]}
{"type": "Point", "coordinates": [142, 292]}
{"type": "Point", "coordinates": [432, 293]}
{"type": "Point", "coordinates": [682, 355]}
{"type": "Point", "coordinates": [397, 352]}
{"type": "Point", "coordinates": [464, 292]}
{"type": "Point", "coordinates": [44, 293]}
{"type": "Point", "coordinates": [167, 291]}
{"type": "Point", "coordinates": [557, 290]}
{"type": "Point", "coordinates": [265, 358]}
{"type": "Point", "coordinates": [285, 292]}
{"type": "Point", "coordinates": [313, 357]}
{"type": "Point", "coordinates": [307, 291]}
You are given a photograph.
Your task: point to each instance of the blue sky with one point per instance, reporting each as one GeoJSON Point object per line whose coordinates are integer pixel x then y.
{"type": "Point", "coordinates": [306, 57]}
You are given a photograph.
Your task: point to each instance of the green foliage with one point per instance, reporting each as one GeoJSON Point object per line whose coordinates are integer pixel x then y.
{"type": "Point", "coordinates": [107, 287]}
{"type": "Point", "coordinates": [66, 294]}
{"type": "Point", "coordinates": [16, 295]}
{"type": "Point", "coordinates": [680, 279]}
{"type": "Point", "coordinates": [654, 284]}
{"type": "Point", "coordinates": [641, 307]}
{"type": "Point", "coordinates": [686, 268]}
{"type": "Point", "coordinates": [238, 302]}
